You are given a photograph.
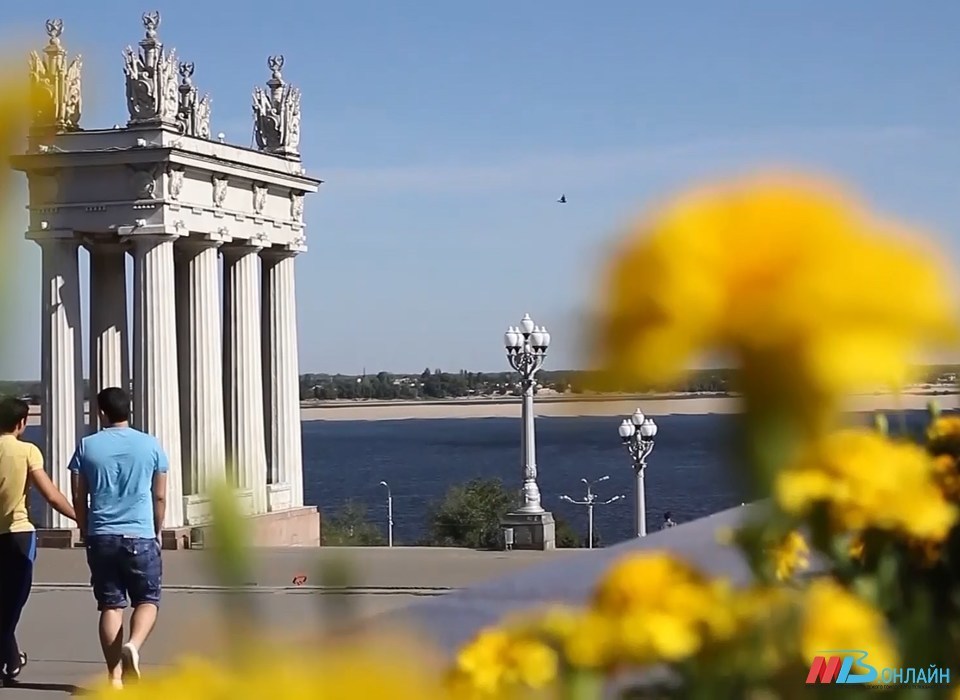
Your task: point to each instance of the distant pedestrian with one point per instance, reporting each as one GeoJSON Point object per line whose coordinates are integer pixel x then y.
{"type": "Point", "coordinates": [21, 465]}
{"type": "Point", "coordinates": [668, 521]}
{"type": "Point", "coordinates": [119, 492]}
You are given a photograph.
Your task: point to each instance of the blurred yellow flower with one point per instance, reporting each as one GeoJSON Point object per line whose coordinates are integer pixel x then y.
{"type": "Point", "coordinates": [661, 608]}
{"type": "Point", "coordinates": [785, 274]}
{"type": "Point", "coordinates": [332, 675]}
{"type": "Point", "coordinates": [502, 660]}
{"type": "Point", "coordinates": [947, 476]}
{"type": "Point", "coordinates": [767, 620]}
{"type": "Point", "coordinates": [867, 480]}
{"type": "Point", "coordinates": [836, 619]}
{"type": "Point", "coordinates": [790, 555]}
{"type": "Point", "coordinates": [856, 549]}
{"type": "Point", "coordinates": [943, 436]}
{"type": "Point", "coordinates": [944, 426]}
{"type": "Point", "coordinates": [926, 553]}
{"type": "Point", "coordinates": [14, 114]}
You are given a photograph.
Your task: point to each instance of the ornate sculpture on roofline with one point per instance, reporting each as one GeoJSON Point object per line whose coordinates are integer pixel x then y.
{"type": "Point", "coordinates": [55, 85]}
{"type": "Point", "coordinates": [152, 91]}
{"type": "Point", "coordinates": [193, 116]}
{"type": "Point", "coordinates": [276, 113]}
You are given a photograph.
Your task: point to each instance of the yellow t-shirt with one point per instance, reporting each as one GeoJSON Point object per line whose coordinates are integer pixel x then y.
{"type": "Point", "coordinates": [17, 458]}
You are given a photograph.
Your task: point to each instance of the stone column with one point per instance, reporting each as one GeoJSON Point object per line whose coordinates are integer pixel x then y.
{"type": "Point", "coordinates": [281, 380]}
{"type": "Point", "coordinates": [156, 395]}
{"type": "Point", "coordinates": [109, 358]}
{"type": "Point", "coordinates": [61, 371]}
{"type": "Point", "coordinates": [201, 371]}
{"type": "Point", "coordinates": [243, 373]}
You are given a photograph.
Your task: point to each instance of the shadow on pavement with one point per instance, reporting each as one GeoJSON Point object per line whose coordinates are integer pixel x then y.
{"type": "Point", "coordinates": [50, 687]}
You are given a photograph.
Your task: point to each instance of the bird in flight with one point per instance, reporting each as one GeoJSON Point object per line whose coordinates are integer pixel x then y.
{"type": "Point", "coordinates": [563, 199]}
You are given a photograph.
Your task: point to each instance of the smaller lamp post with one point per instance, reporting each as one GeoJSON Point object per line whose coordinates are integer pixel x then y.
{"type": "Point", "coordinates": [637, 433]}
{"type": "Point", "coordinates": [590, 501]}
{"type": "Point", "coordinates": [389, 513]}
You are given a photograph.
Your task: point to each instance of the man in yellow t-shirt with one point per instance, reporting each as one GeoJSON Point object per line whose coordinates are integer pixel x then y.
{"type": "Point", "coordinates": [21, 465]}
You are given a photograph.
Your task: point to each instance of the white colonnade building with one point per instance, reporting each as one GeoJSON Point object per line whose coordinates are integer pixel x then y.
{"type": "Point", "coordinates": [214, 369]}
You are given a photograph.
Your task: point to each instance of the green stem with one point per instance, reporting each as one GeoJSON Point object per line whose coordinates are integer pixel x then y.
{"type": "Point", "coordinates": [583, 685]}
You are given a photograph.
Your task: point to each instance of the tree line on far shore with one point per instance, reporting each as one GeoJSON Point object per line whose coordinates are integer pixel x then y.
{"type": "Point", "coordinates": [468, 515]}
{"type": "Point", "coordinates": [436, 384]}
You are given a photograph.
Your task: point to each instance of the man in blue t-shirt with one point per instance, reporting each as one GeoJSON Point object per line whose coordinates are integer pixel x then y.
{"type": "Point", "coordinates": [119, 478]}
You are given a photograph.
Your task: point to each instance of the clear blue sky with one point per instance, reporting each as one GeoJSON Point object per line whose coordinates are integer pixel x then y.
{"type": "Point", "coordinates": [445, 131]}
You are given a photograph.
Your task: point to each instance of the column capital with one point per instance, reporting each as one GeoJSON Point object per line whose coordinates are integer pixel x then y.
{"type": "Point", "coordinates": [53, 235]}
{"type": "Point", "coordinates": [110, 244]}
{"type": "Point", "coordinates": [274, 253]}
{"type": "Point", "coordinates": [237, 248]}
{"type": "Point", "coordinates": [142, 241]}
{"type": "Point", "coordinates": [201, 241]}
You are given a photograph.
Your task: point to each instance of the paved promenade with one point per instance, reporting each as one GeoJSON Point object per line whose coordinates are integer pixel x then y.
{"type": "Point", "coordinates": [58, 630]}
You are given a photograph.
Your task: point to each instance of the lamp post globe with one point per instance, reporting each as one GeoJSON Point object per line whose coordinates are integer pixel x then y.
{"type": "Point", "coordinates": [648, 428]}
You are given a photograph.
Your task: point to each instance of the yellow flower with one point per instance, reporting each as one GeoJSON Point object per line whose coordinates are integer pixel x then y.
{"type": "Point", "coordinates": [943, 436]}
{"type": "Point", "coordinates": [790, 555]}
{"type": "Point", "coordinates": [764, 270]}
{"type": "Point", "coordinates": [856, 549]}
{"type": "Point", "coordinates": [947, 476]}
{"type": "Point", "coordinates": [926, 552]}
{"type": "Point", "coordinates": [14, 112]}
{"type": "Point", "coordinates": [660, 608]}
{"type": "Point", "coordinates": [767, 619]}
{"type": "Point", "coordinates": [332, 675]}
{"type": "Point", "coordinates": [501, 660]}
{"type": "Point", "coordinates": [944, 426]}
{"type": "Point", "coordinates": [867, 480]}
{"type": "Point", "coordinates": [836, 619]}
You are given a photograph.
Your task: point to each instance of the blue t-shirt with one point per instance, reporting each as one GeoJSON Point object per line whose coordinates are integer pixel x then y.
{"type": "Point", "coordinates": [119, 464]}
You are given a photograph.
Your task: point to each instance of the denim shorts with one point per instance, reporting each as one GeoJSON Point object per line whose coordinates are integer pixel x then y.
{"type": "Point", "coordinates": [124, 566]}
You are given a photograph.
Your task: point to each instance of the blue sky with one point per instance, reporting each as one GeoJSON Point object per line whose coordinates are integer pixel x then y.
{"type": "Point", "coordinates": [445, 131]}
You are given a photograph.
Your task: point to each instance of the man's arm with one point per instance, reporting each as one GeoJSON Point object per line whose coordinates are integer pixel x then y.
{"type": "Point", "coordinates": [78, 482]}
{"type": "Point", "coordinates": [41, 482]}
{"type": "Point", "coordinates": [78, 485]}
{"type": "Point", "coordinates": [159, 500]}
{"type": "Point", "coordinates": [160, 467]}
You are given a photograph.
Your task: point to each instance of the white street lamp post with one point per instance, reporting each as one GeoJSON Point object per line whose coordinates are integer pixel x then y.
{"type": "Point", "coordinates": [637, 433]}
{"type": "Point", "coordinates": [389, 513]}
{"type": "Point", "coordinates": [590, 501]}
{"type": "Point", "coordinates": [526, 350]}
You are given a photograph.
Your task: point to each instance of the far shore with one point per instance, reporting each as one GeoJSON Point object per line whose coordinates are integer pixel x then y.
{"type": "Point", "coordinates": [654, 405]}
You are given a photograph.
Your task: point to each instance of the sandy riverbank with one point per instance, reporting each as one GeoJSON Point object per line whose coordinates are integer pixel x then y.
{"type": "Point", "coordinates": [654, 406]}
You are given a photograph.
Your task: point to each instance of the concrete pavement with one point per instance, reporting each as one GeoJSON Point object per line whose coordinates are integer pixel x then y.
{"type": "Point", "coordinates": [58, 629]}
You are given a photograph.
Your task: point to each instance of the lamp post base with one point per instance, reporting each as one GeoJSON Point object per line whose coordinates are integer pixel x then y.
{"type": "Point", "coordinates": [531, 530]}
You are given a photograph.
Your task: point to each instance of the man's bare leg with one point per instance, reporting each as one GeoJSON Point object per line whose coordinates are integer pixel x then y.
{"type": "Point", "coordinates": [141, 625]}
{"type": "Point", "coordinates": [111, 641]}
{"type": "Point", "coordinates": [142, 622]}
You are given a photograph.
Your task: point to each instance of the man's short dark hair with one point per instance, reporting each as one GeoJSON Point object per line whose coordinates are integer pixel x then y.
{"type": "Point", "coordinates": [114, 403]}
{"type": "Point", "coordinates": [666, 516]}
{"type": "Point", "coordinates": [13, 412]}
